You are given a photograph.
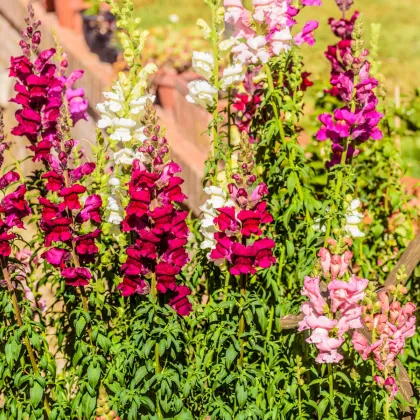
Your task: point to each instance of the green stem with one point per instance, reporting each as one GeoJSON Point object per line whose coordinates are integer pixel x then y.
{"type": "Point", "coordinates": [300, 402]}
{"type": "Point", "coordinates": [214, 38]}
{"type": "Point", "coordinates": [331, 385]}
{"type": "Point", "coordinates": [281, 264]}
{"type": "Point", "coordinates": [338, 185]}
{"type": "Point", "coordinates": [280, 127]}
{"type": "Point", "coordinates": [270, 323]}
{"type": "Point", "coordinates": [387, 407]}
{"type": "Point", "coordinates": [242, 321]}
{"type": "Point", "coordinates": [19, 321]}
{"type": "Point", "coordinates": [226, 289]}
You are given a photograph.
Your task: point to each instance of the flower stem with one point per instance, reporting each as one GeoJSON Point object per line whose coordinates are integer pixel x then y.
{"type": "Point", "coordinates": [281, 264]}
{"type": "Point", "coordinates": [226, 289]}
{"type": "Point", "coordinates": [331, 384]}
{"type": "Point", "coordinates": [214, 37]}
{"type": "Point", "coordinates": [386, 409]}
{"type": "Point", "coordinates": [338, 185]}
{"type": "Point", "coordinates": [283, 135]}
{"type": "Point", "coordinates": [19, 320]}
{"type": "Point", "coordinates": [242, 321]}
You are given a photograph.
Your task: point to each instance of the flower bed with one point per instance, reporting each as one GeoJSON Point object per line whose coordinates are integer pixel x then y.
{"type": "Point", "coordinates": [284, 299]}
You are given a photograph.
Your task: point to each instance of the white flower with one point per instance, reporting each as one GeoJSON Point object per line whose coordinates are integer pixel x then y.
{"type": "Point", "coordinates": [205, 28]}
{"type": "Point", "coordinates": [106, 116]}
{"type": "Point", "coordinates": [115, 215]}
{"type": "Point", "coordinates": [137, 105]}
{"type": "Point", "coordinates": [139, 135]}
{"type": "Point", "coordinates": [227, 44]}
{"type": "Point", "coordinates": [218, 198]}
{"type": "Point", "coordinates": [203, 63]}
{"type": "Point", "coordinates": [124, 157]}
{"type": "Point", "coordinates": [353, 220]}
{"type": "Point", "coordinates": [122, 129]}
{"type": "Point", "coordinates": [202, 93]}
{"type": "Point", "coordinates": [257, 45]}
{"type": "Point", "coordinates": [173, 18]}
{"type": "Point", "coordinates": [232, 74]}
{"type": "Point", "coordinates": [114, 182]}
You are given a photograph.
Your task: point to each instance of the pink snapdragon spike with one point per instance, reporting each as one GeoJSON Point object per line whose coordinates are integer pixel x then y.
{"type": "Point", "coordinates": [331, 314]}
{"type": "Point", "coordinates": [277, 17]}
{"type": "Point", "coordinates": [391, 324]}
{"type": "Point", "coordinates": [46, 95]}
{"type": "Point", "coordinates": [160, 228]}
{"type": "Point", "coordinates": [357, 121]}
{"type": "Point", "coordinates": [240, 243]}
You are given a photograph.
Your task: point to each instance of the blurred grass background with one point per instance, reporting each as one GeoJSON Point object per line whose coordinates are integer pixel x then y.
{"type": "Point", "coordinates": [399, 49]}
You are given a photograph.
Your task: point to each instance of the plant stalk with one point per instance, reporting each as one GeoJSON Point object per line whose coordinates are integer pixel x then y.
{"type": "Point", "coordinates": [338, 185]}
{"type": "Point", "coordinates": [19, 320]}
{"type": "Point", "coordinates": [242, 321]}
{"type": "Point", "coordinates": [283, 135]}
{"type": "Point", "coordinates": [331, 385]}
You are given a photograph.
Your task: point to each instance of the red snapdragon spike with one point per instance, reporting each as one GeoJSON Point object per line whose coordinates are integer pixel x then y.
{"type": "Point", "coordinates": [166, 277]}
{"type": "Point", "coordinates": [91, 210]}
{"type": "Point", "coordinates": [71, 197]}
{"type": "Point", "coordinates": [15, 207]}
{"type": "Point", "coordinates": [76, 276]}
{"type": "Point", "coordinates": [130, 287]}
{"type": "Point", "coordinates": [57, 230]}
{"type": "Point", "coordinates": [243, 259]}
{"type": "Point", "coordinates": [179, 301]}
{"type": "Point", "coordinates": [55, 181]}
{"type": "Point", "coordinates": [226, 220]}
{"type": "Point", "coordinates": [161, 228]}
{"type": "Point", "coordinates": [85, 246]}
{"type": "Point", "coordinates": [83, 170]}
{"type": "Point", "coordinates": [5, 248]}
{"type": "Point", "coordinates": [223, 248]}
{"type": "Point", "coordinates": [57, 257]}
{"type": "Point", "coordinates": [8, 178]}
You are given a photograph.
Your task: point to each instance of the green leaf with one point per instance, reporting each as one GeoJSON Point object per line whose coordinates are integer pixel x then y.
{"type": "Point", "coordinates": [94, 374]}
{"type": "Point", "coordinates": [140, 374]}
{"type": "Point", "coordinates": [231, 354]}
{"type": "Point", "coordinates": [88, 405]}
{"type": "Point", "coordinates": [322, 407]}
{"type": "Point", "coordinates": [80, 325]}
{"type": "Point", "coordinates": [241, 395]}
{"type": "Point", "coordinates": [36, 392]}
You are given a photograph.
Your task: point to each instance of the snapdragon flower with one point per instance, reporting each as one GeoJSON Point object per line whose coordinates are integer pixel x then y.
{"type": "Point", "coordinates": [331, 314]}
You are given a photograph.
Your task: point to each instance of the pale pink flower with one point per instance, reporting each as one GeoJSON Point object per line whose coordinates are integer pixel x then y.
{"type": "Point", "coordinates": [361, 345]}
{"type": "Point", "coordinates": [312, 291]}
{"type": "Point", "coordinates": [325, 256]}
{"type": "Point", "coordinates": [345, 294]}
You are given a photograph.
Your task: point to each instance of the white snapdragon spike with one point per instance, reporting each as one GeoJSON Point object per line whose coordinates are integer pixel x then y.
{"type": "Point", "coordinates": [202, 93]}
{"type": "Point", "coordinates": [218, 198]}
{"type": "Point", "coordinates": [203, 64]}
{"type": "Point", "coordinates": [232, 74]}
{"type": "Point", "coordinates": [122, 129]}
{"type": "Point", "coordinates": [116, 211]}
{"type": "Point", "coordinates": [137, 105]}
{"type": "Point", "coordinates": [353, 220]}
{"type": "Point", "coordinates": [204, 27]}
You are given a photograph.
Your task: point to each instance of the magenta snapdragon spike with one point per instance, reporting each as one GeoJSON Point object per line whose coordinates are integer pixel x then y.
{"type": "Point", "coordinates": [391, 325]}
{"type": "Point", "coordinates": [64, 220]}
{"type": "Point", "coordinates": [49, 102]}
{"type": "Point", "coordinates": [332, 313]}
{"type": "Point", "coordinates": [39, 88]}
{"type": "Point", "coordinates": [357, 121]}
{"type": "Point", "coordinates": [239, 239]}
{"type": "Point", "coordinates": [159, 225]}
